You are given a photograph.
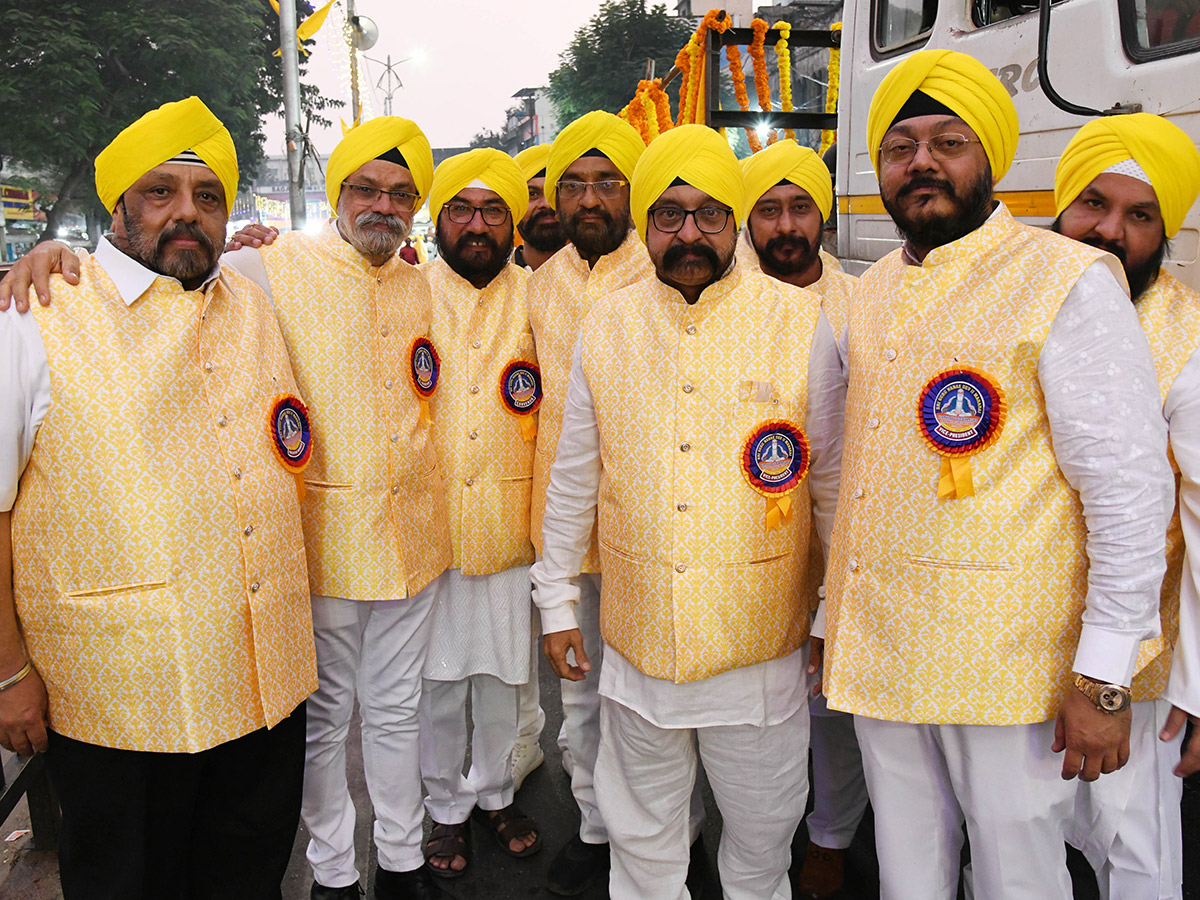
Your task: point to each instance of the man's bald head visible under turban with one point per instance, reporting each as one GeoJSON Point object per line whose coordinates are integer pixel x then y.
{"type": "Point", "coordinates": [1163, 150]}
{"type": "Point", "coordinates": [488, 166]}
{"type": "Point", "coordinates": [158, 137]}
{"type": "Point", "coordinates": [371, 140]}
{"type": "Point", "coordinates": [597, 130]}
{"type": "Point", "coordinates": [532, 160]}
{"type": "Point", "coordinates": [963, 85]}
{"type": "Point", "coordinates": [696, 154]}
{"type": "Point", "coordinates": [787, 161]}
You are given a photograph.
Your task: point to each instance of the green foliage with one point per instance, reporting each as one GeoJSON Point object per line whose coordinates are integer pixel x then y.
{"type": "Point", "coordinates": [487, 138]}
{"type": "Point", "coordinates": [72, 75]}
{"type": "Point", "coordinates": [601, 67]}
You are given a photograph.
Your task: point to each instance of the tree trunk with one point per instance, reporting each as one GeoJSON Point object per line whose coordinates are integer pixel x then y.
{"type": "Point", "coordinates": [62, 203]}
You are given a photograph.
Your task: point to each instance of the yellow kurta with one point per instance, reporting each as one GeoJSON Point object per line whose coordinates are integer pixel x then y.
{"type": "Point", "coordinates": [694, 581]}
{"type": "Point", "coordinates": [487, 461]}
{"type": "Point", "coordinates": [374, 507]}
{"type": "Point", "coordinates": [1170, 315]}
{"type": "Point", "coordinates": [560, 294]}
{"type": "Point", "coordinates": [158, 558]}
{"type": "Point", "coordinates": [956, 610]}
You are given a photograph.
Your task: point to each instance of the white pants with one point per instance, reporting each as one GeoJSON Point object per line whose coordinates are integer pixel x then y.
{"type": "Point", "coordinates": [1128, 823]}
{"type": "Point", "coordinates": [530, 717]}
{"type": "Point", "coordinates": [581, 714]}
{"type": "Point", "coordinates": [644, 785]}
{"type": "Point", "coordinates": [377, 650]}
{"type": "Point", "coordinates": [925, 781]}
{"type": "Point", "coordinates": [489, 783]}
{"type": "Point", "coordinates": [839, 789]}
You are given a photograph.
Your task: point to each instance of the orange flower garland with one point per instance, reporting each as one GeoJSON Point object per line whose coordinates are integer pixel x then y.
{"type": "Point", "coordinates": [734, 55]}
{"type": "Point", "coordinates": [684, 65]}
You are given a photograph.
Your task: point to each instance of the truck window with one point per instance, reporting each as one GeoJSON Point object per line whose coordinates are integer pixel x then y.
{"type": "Point", "coordinates": [898, 24]}
{"type": "Point", "coordinates": [1152, 29]}
{"type": "Point", "coordinates": [989, 12]}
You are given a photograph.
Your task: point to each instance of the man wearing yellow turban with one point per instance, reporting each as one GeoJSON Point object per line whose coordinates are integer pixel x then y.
{"type": "Point", "coordinates": [703, 422]}
{"type": "Point", "coordinates": [485, 417]}
{"type": "Point", "coordinates": [155, 633]}
{"type": "Point", "coordinates": [587, 178]}
{"type": "Point", "coordinates": [998, 545]}
{"type": "Point", "coordinates": [541, 235]}
{"type": "Point", "coordinates": [1125, 184]}
{"type": "Point", "coordinates": [789, 197]}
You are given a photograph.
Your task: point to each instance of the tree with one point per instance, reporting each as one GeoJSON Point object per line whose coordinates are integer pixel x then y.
{"type": "Point", "coordinates": [601, 67]}
{"type": "Point", "coordinates": [72, 75]}
{"type": "Point", "coordinates": [487, 138]}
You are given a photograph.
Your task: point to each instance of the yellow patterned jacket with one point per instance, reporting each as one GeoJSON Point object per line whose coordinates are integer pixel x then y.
{"type": "Point", "coordinates": [560, 294]}
{"type": "Point", "coordinates": [696, 582]}
{"type": "Point", "coordinates": [834, 287]}
{"type": "Point", "coordinates": [158, 558]}
{"type": "Point", "coordinates": [374, 507]}
{"type": "Point", "coordinates": [1170, 314]}
{"type": "Point", "coordinates": [486, 448]}
{"type": "Point", "coordinates": [960, 610]}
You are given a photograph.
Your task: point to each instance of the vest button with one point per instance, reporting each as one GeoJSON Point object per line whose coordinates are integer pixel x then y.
{"type": "Point", "coordinates": [680, 568]}
{"type": "Point", "coordinates": [208, 367]}
{"type": "Point", "coordinates": [385, 331]}
{"type": "Point", "coordinates": [388, 384]}
{"type": "Point", "coordinates": [889, 354]}
{"type": "Point", "coordinates": [474, 389]}
{"type": "Point", "coordinates": [254, 588]}
{"type": "Point", "coordinates": [872, 422]}
{"type": "Point", "coordinates": [685, 447]}
{"type": "Point", "coordinates": [476, 344]}
{"type": "Point", "coordinates": [469, 482]}
{"type": "Point", "coordinates": [395, 437]}
{"type": "Point", "coordinates": [395, 488]}
{"type": "Point", "coordinates": [687, 388]}
{"type": "Point", "coordinates": [248, 530]}
{"type": "Point", "coordinates": [474, 435]}
{"type": "Point", "coordinates": [857, 495]}
{"type": "Point", "coordinates": [237, 473]}
{"type": "Point", "coordinates": [691, 329]}
{"type": "Point", "coordinates": [223, 421]}
{"type": "Point", "coordinates": [853, 565]}
{"type": "Point", "coordinates": [682, 507]}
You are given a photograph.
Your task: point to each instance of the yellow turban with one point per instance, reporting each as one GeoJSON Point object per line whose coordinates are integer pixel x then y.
{"type": "Point", "coordinates": [962, 84]}
{"type": "Point", "coordinates": [597, 130]}
{"type": "Point", "coordinates": [161, 135]}
{"type": "Point", "coordinates": [372, 139]}
{"type": "Point", "coordinates": [532, 160]}
{"type": "Point", "coordinates": [1163, 150]}
{"type": "Point", "coordinates": [698, 155]}
{"type": "Point", "coordinates": [787, 161]}
{"type": "Point", "coordinates": [488, 166]}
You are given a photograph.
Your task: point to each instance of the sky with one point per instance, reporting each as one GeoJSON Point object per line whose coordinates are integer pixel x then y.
{"type": "Point", "coordinates": [466, 60]}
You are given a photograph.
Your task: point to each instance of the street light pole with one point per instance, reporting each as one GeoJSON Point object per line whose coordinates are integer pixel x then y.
{"type": "Point", "coordinates": [291, 109]}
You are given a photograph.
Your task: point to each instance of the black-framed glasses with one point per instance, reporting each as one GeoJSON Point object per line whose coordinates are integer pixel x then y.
{"type": "Point", "coordinates": [709, 219]}
{"type": "Point", "coordinates": [406, 200]}
{"type": "Point", "coordinates": [609, 189]}
{"type": "Point", "coordinates": [899, 151]}
{"type": "Point", "coordinates": [463, 213]}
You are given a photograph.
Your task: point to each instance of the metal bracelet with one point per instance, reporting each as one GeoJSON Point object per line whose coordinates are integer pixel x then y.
{"type": "Point", "coordinates": [13, 679]}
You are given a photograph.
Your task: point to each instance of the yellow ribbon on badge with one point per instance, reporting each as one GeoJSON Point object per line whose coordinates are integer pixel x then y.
{"type": "Point", "coordinates": [779, 510]}
{"type": "Point", "coordinates": [529, 425]}
{"type": "Point", "coordinates": [424, 414]}
{"type": "Point", "coordinates": [955, 481]}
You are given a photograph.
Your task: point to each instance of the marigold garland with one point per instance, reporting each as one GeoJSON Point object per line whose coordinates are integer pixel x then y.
{"type": "Point", "coordinates": [783, 57]}
{"type": "Point", "coordinates": [684, 65]}
{"type": "Point", "coordinates": [829, 135]}
{"type": "Point", "coordinates": [734, 55]}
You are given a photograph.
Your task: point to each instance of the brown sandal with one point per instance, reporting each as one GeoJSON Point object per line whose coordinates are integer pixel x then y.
{"type": "Point", "coordinates": [447, 842]}
{"type": "Point", "coordinates": [507, 825]}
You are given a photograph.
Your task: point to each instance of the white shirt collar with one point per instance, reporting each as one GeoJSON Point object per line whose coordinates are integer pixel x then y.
{"type": "Point", "coordinates": [131, 278]}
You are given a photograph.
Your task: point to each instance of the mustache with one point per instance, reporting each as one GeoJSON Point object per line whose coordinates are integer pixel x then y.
{"type": "Point", "coordinates": [461, 244]}
{"type": "Point", "coordinates": [1114, 249]}
{"type": "Point", "coordinates": [789, 242]}
{"type": "Point", "coordinates": [190, 231]}
{"type": "Point", "coordinates": [676, 252]}
{"type": "Point", "coordinates": [925, 181]}
{"type": "Point", "coordinates": [393, 223]}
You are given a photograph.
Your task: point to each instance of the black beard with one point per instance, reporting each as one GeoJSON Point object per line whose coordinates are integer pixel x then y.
{"type": "Point", "coordinates": [543, 233]}
{"type": "Point", "coordinates": [592, 242]}
{"type": "Point", "coordinates": [778, 263]}
{"type": "Point", "coordinates": [675, 254]}
{"type": "Point", "coordinates": [1140, 278]}
{"type": "Point", "coordinates": [470, 269]}
{"type": "Point", "coordinates": [971, 211]}
{"type": "Point", "coordinates": [187, 265]}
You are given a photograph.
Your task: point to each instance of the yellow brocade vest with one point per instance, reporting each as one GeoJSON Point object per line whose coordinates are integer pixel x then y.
{"type": "Point", "coordinates": [962, 610]}
{"type": "Point", "coordinates": [834, 287]}
{"type": "Point", "coordinates": [695, 583]}
{"type": "Point", "coordinates": [1170, 315]}
{"type": "Point", "coordinates": [374, 508]}
{"type": "Point", "coordinates": [560, 294]}
{"type": "Point", "coordinates": [486, 451]}
{"type": "Point", "coordinates": [158, 560]}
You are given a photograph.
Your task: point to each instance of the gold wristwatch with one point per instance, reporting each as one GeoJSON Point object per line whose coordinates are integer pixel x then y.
{"type": "Point", "coordinates": [1109, 698]}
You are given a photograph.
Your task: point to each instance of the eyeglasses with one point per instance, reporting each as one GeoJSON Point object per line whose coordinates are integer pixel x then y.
{"type": "Point", "coordinates": [899, 151]}
{"type": "Point", "coordinates": [709, 219]}
{"type": "Point", "coordinates": [463, 213]}
{"type": "Point", "coordinates": [406, 200]}
{"type": "Point", "coordinates": [609, 189]}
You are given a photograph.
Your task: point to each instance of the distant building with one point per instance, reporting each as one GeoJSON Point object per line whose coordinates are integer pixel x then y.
{"type": "Point", "coordinates": [534, 120]}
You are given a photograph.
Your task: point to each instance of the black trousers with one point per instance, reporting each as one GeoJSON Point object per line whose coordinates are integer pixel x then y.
{"type": "Point", "coordinates": [214, 825]}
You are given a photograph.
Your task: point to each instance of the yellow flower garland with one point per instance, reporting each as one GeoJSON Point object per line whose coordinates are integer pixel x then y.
{"type": "Point", "coordinates": [829, 135]}
{"type": "Point", "coordinates": [783, 56]}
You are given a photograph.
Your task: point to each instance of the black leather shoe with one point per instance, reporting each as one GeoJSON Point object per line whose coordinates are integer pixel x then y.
{"type": "Point", "coordinates": [349, 892]}
{"type": "Point", "coordinates": [415, 885]}
{"type": "Point", "coordinates": [576, 867]}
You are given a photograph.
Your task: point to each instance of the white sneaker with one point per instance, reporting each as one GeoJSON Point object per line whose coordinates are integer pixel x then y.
{"type": "Point", "coordinates": [525, 758]}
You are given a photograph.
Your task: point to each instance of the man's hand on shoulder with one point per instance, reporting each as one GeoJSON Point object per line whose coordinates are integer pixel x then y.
{"type": "Point", "coordinates": [1096, 742]}
{"type": "Point", "coordinates": [556, 644]}
{"type": "Point", "coordinates": [34, 269]}
{"type": "Point", "coordinates": [24, 715]}
{"type": "Point", "coordinates": [252, 235]}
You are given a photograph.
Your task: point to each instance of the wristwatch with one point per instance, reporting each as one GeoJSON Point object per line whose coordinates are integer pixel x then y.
{"type": "Point", "coordinates": [1109, 698]}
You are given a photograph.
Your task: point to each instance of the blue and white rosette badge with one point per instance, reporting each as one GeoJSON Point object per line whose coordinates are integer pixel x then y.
{"type": "Point", "coordinates": [775, 460]}
{"type": "Point", "coordinates": [960, 412]}
{"type": "Point", "coordinates": [521, 394]}
{"type": "Point", "coordinates": [424, 368]}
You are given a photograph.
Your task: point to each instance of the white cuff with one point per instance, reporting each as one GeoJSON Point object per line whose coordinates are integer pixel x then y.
{"type": "Point", "coordinates": [1108, 656]}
